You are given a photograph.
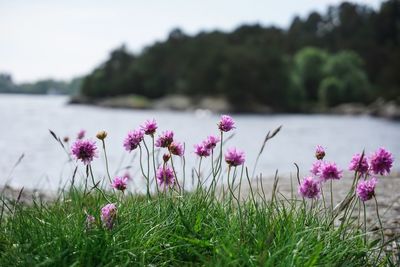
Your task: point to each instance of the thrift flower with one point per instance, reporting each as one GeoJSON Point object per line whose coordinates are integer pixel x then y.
{"type": "Point", "coordinates": [81, 134]}
{"type": "Point", "coordinates": [84, 150]}
{"type": "Point", "coordinates": [309, 188]}
{"type": "Point", "coordinates": [201, 151]}
{"type": "Point", "coordinates": [330, 171]}
{"type": "Point", "coordinates": [381, 161]}
{"type": "Point", "coordinates": [211, 142]}
{"type": "Point", "coordinates": [359, 165]}
{"type": "Point", "coordinates": [90, 221]}
{"type": "Point", "coordinates": [120, 183]}
{"type": "Point", "coordinates": [366, 189]}
{"type": "Point", "coordinates": [319, 152]}
{"type": "Point", "coordinates": [176, 148]}
{"type": "Point", "coordinates": [226, 123]}
{"type": "Point", "coordinates": [165, 176]}
{"type": "Point", "coordinates": [316, 167]}
{"type": "Point", "coordinates": [127, 176]}
{"type": "Point", "coordinates": [165, 139]}
{"type": "Point", "coordinates": [234, 157]}
{"type": "Point", "coordinates": [108, 215]}
{"type": "Point", "coordinates": [133, 140]}
{"type": "Point", "coordinates": [149, 127]}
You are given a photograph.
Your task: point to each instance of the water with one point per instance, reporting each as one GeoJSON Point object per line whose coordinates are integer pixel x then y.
{"type": "Point", "coordinates": [25, 120]}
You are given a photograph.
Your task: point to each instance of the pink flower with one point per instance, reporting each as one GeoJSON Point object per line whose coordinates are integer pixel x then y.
{"type": "Point", "coordinates": [201, 151]}
{"type": "Point", "coordinates": [127, 176]}
{"type": "Point", "coordinates": [359, 165]}
{"type": "Point", "coordinates": [226, 123]}
{"type": "Point", "coordinates": [165, 139]}
{"type": "Point", "coordinates": [81, 134]}
{"type": "Point", "coordinates": [165, 176]}
{"type": "Point", "coordinates": [319, 152]}
{"type": "Point", "coordinates": [366, 189]}
{"type": "Point", "coordinates": [133, 140]}
{"type": "Point", "coordinates": [176, 148]}
{"type": "Point", "coordinates": [211, 142]}
{"type": "Point", "coordinates": [309, 188]}
{"type": "Point", "coordinates": [90, 221]}
{"type": "Point", "coordinates": [108, 215]}
{"type": "Point", "coordinates": [381, 161]}
{"type": "Point", "coordinates": [149, 127]}
{"type": "Point", "coordinates": [85, 150]}
{"type": "Point", "coordinates": [330, 171]}
{"type": "Point", "coordinates": [316, 167]}
{"type": "Point", "coordinates": [120, 183]}
{"type": "Point", "coordinates": [234, 157]}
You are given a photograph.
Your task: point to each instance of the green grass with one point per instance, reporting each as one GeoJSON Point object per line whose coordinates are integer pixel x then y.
{"type": "Point", "coordinates": [192, 229]}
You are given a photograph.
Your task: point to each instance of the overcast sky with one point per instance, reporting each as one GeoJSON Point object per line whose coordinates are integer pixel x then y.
{"type": "Point", "coordinates": [62, 39]}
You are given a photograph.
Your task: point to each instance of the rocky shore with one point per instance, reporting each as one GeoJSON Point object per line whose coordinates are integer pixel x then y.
{"type": "Point", "coordinates": [379, 108]}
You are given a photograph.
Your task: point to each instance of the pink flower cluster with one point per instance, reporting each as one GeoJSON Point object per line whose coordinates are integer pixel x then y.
{"type": "Point", "coordinates": [205, 148]}
{"type": "Point", "coordinates": [133, 139]}
{"type": "Point", "coordinates": [165, 176]}
{"type": "Point", "coordinates": [309, 187]}
{"type": "Point", "coordinates": [108, 215]}
{"type": "Point", "coordinates": [84, 150]}
{"type": "Point", "coordinates": [234, 157]}
{"type": "Point", "coordinates": [321, 171]}
{"type": "Point", "coordinates": [359, 163]}
{"type": "Point", "coordinates": [366, 189]}
{"type": "Point", "coordinates": [165, 139]}
{"type": "Point", "coordinates": [176, 148]}
{"type": "Point", "coordinates": [379, 162]}
{"type": "Point", "coordinates": [226, 123]}
{"type": "Point", "coordinates": [149, 127]}
{"type": "Point", "coordinates": [120, 183]}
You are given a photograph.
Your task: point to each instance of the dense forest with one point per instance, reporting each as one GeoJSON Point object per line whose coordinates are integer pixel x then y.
{"type": "Point", "coordinates": [350, 53]}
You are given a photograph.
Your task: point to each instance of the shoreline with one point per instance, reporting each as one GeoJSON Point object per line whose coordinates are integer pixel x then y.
{"type": "Point", "coordinates": [379, 109]}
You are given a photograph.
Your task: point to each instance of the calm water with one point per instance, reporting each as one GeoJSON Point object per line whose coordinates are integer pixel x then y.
{"type": "Point", "coordinates": [25, 120]}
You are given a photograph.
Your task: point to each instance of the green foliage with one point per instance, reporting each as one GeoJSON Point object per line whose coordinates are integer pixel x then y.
{"type": "Point", "coordinates": [331, 92]}
{"type": "Point", "coordinates": [309, 68]}
{"type": "Point", "coordinates": [346, 67]}
{"type": "Point", "coordinates": [194, 229]}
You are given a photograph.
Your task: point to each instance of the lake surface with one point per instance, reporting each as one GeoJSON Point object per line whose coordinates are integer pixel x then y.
{"type": "Point", "coordinates": [25, 120]}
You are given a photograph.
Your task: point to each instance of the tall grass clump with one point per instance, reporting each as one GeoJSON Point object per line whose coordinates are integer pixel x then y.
{"type": "Point", "coordinates": [217, 218]}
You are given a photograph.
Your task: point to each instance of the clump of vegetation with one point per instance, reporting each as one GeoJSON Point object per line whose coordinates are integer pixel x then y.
{"type": "Point", "coordinates": [210, 221]}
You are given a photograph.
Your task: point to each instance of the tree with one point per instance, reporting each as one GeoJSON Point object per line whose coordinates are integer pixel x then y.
{"type": "Point", "coordinates": [309, 69]}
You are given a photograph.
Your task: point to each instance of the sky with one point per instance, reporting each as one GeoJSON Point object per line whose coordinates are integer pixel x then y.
{"type": "Point", "coordinates": [63, 39]}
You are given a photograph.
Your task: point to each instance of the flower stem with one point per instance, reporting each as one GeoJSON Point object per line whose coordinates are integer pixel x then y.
{"type": "Point", "coordinates": [380, 225]}
{"type": "Point", "coordinates": [106, 158]}
{"type": "Point", "coordinates": [95, 185]}
{"type": "Point", "coordinates": [154, 164]}
{"type": "Point", "coordinates": [141, 168]}
{"type": "Point", "coordinates": [176, 177]}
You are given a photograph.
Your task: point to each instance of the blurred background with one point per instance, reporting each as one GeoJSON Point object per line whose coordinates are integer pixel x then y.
{"type": "Point", "coordinates": [328, 71]}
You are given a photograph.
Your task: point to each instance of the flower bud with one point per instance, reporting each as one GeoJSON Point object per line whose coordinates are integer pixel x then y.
{"type": "Point", "coordinates": [101, 135]}
{"type": "Point", "coordinates": [166, 157]}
